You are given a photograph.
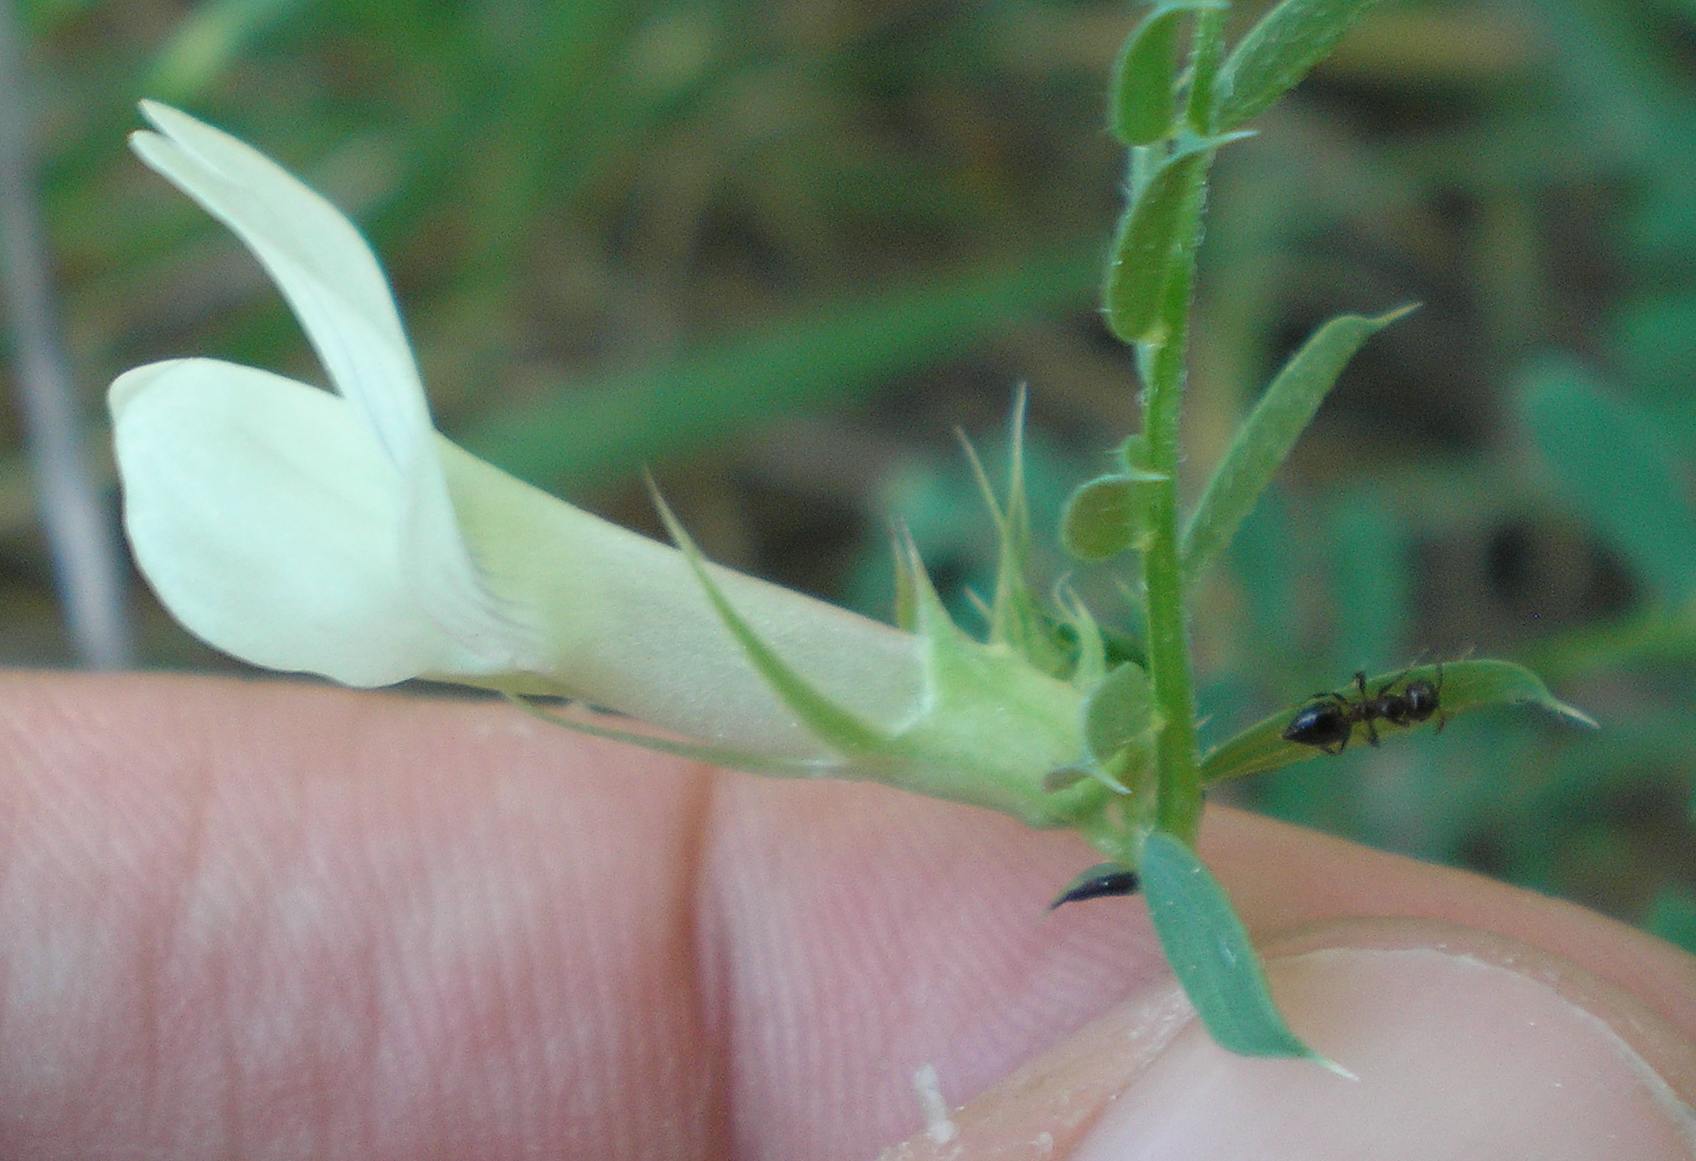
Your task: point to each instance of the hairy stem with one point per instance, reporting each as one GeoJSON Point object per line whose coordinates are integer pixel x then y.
{"type": "Point", "coordinates": [1179, 796]}
{"type": "Point", "coordinates": [1208, 52]}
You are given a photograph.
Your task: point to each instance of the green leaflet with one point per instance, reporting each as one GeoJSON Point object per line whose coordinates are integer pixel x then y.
{"type": "Point", "coordinates": [1118, 713]}
{"type": "Point", "coordinates": [1270, 431]}
{"type": "Point", "coordinates": [1118, 732]}
{"type": "Point", "coordinates": [1279, 51]}
{"type": "Point", "coordinates": [1466, 686]}
{"type": "Point", "coordinates": [1144, 102]}
{"type": "Point", "coordinates": [1211, 955]}
{"type": "Point", "coordinates": [1105, 516]}
{"type": "Point", "coordinates": [1617, 473]}
{"type": "Point", "coordinates": [1141, 258]}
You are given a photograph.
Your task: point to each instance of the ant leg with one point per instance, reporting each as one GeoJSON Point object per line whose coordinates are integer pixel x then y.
{"type": "Point", "coordinates": [1388, 685]}
{"type": "Point", "coordinates": [1360, 682]}
{"type": "Point", "coordinates": [1442, 720]}
{"type": "Point", "coordinates": [1371, 732]}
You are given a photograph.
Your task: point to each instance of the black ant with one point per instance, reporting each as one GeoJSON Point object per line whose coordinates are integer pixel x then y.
{"type": "Point", "coordinates": [1330, 723]}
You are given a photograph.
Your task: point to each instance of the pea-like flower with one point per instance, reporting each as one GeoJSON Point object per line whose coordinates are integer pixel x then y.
{"type": "Point", "coordinates": [338, 533]}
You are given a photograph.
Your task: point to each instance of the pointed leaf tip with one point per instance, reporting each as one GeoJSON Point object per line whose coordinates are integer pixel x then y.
{"type": "Point", "coordinates": [1270, 432]}
{"type": "Point", "coordinates": [1274, 55]}
{"type": "Point", "coordinates": [1210, 952]}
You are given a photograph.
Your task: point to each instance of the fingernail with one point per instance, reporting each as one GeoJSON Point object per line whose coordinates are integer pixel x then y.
{"type": "Point", "coordinates": [1461, 1052]}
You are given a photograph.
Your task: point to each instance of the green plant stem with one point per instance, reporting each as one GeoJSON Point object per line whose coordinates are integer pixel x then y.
{"type": "Point", "coordinates": [1178, 810]}
{"type": "Point", "coordinates": [1209, 51]}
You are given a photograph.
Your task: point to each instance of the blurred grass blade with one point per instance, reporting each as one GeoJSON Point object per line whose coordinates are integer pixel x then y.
{"type": "Point", "coordinates": [1269, 432]}
{"type": "Point", "coordinates": [81, 534]}
{"type": "Point", "coordinates": [1141, 258]}
{"type": "Point", "coordinates": [1144, 103]}
{"type": "Point", "coordinates": [208, 41]}
{"type": "Point", "coordinates": [1211, 955]}
{"type": "Point", "coordinates": [1466, 686]}
{"type": "Point", "coordinates": [605, 428]}
{"type": "Point", "coordinates": [1279, 51]}
{"type": "Point", "coordinates": [1621, 478]}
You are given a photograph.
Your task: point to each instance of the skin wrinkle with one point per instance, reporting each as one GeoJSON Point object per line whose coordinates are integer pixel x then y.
{"type": "Point", "coordinates": [181, 838]}
{"type": "Point", "coordinates": [714, 1014]}
{"type": "Point", "coordinates": [333, 1059]}
{"type": "Point", "coordinates": [359, 987]}
{"type": "Point", "coordinates": [297, 862]}
{"type": "Point", "coordinates": [876, 900]}
{"type": "Point", "coordinates": [417, 995]}
{"type": "Point", "coordinates": [755, 877]}
{"type": "Point", "coordinates": [205, 878]}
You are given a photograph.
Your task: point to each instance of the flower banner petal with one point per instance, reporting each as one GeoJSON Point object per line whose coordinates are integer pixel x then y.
{"type": "Point", "coordinates": [267, 518]}
{"type": "Point", "coordinates": [337, 289]}
{"type": "Point", "coordinates": [316, 256]}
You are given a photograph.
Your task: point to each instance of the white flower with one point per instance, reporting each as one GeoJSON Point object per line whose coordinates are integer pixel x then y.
{"type": "Point", "coordinates": [340, 534]}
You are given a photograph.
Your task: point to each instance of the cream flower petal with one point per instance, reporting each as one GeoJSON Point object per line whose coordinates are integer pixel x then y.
{"type": "Point", "coordinates": [264, 514]}
{"type": "Point", "coordinates": [343, 536]}
{"type": "Point", "coordinates": [335, 286]}
{"type": "Point", "coordinates": [318, 259]}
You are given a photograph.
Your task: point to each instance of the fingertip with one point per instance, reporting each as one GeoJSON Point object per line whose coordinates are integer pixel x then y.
{"type": "Point", "coordinates": [1465, 1045]}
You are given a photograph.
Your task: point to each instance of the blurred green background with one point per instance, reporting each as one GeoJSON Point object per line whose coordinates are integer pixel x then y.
{"type": "Point", "coordinates": [780, 250]}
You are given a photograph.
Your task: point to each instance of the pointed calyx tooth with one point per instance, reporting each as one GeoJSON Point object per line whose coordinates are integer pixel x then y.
{"type": "Point", "coordinates": [1101, 881]}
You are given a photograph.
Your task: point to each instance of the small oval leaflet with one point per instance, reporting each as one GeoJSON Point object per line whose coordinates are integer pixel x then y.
{"type": "Point", "coordinates": [1100, 518]}
{"type": "Point", "coordinates": [1143, 99]}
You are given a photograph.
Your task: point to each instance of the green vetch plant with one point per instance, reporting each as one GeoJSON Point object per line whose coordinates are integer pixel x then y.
{"type": "Point", "coordinates": [338, 533]}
